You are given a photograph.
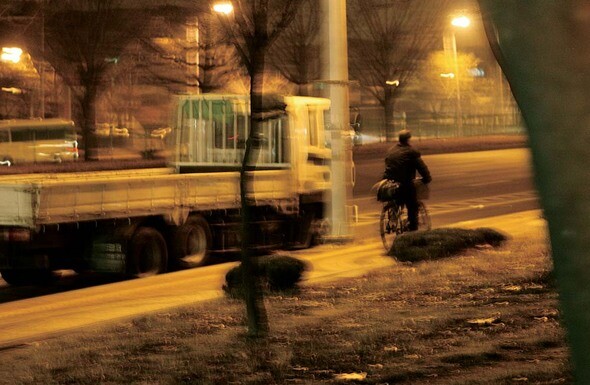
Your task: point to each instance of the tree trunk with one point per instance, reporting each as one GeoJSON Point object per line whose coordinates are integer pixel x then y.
{"type": "Point", "coordinates": [388, 108]}
{"type": "Point", "coordinates": [553, 92]}
{"type": "Point", "coordinates": [88, 105]}
{"type": "Point", "coordinates": [256, 312]}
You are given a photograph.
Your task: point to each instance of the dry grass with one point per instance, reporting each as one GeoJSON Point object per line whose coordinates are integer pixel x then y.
{"type": "Point", "coordinates": [487, 316]}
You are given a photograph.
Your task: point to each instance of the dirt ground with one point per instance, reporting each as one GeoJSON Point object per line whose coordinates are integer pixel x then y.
{"type": "Point", "coordinates": [487, 316]}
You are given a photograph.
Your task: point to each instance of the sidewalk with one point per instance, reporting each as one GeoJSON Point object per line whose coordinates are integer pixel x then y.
{"type": "Point", "coordinates": [515, 225]}
{"type": "Point", "coordinates": [22, 321]}
{"type": "Point", "coordinates": [329, 263]}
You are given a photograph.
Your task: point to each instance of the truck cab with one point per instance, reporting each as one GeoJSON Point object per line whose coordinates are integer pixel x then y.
{"type": "Point", "coordinates": [211, 132]}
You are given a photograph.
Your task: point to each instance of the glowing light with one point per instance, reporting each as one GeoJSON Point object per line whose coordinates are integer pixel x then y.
{"type": "Point", "coordinates": [11, 54]}
{"type": "Point", "coordinates": [461, 22]}
{"type": "Point", "coordinates": [225, 8]}
{"type": "Point", "coordinates": [449, 75]}
{"type": "Point", "coordinates": [12, 90]}
{"type": "Point", "coordinates": [392, 82]}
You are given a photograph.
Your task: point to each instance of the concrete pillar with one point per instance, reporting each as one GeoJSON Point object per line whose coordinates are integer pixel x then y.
{"type": "Point", "coordinates": [335, 82]}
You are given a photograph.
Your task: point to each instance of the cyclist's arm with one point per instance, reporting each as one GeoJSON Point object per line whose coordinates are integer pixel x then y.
{"type": "Point", "coordinates": [423, 170]}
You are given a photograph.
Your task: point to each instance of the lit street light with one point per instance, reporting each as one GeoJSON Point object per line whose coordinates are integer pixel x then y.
{"type": "Point", "coordinates": [11, 54]}
{"type": "Point", "coordinates": [225, 7]}
{"type": "Point", "coordinates": [461, 22]}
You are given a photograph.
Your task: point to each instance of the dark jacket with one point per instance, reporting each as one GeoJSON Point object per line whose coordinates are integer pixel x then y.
{"type": "Point", "coordinates": [402, 162]}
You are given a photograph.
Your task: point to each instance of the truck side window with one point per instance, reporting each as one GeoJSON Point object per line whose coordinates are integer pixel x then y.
{"type": "Point", "coordinates": [313, 127]}
{"type": "Point", "coordinates": [21, 135]}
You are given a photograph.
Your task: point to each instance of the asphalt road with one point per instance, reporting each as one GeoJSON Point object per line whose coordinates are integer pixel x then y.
{"type": "Point", "coordinates": [466, 186]}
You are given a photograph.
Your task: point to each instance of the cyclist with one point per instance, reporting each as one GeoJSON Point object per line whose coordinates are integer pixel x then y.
{"type": "Point", "coordinates": [401, 164]}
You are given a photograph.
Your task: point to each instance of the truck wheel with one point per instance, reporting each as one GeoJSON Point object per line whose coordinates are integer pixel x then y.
{"type": "Point", "coordinates": [28, 277]}
{"type": "Point", "coordinates": [147, 254]}
{"type": "Point", "coordinates": [192, 242]}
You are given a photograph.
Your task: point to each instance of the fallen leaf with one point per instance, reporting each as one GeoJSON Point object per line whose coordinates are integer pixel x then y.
{"type": "Point", "coordinates": [512, 288]}
{"type": "Point", "coordinates": [351, 376]}
{"type": "Point", "coordinates": [483, 321]}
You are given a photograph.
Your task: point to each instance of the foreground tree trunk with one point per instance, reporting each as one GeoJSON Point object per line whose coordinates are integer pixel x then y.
{"type": "Point", "coordinates": [256, 24]}
{"type": "Point", "coordinates": [543, 48]}
{"type": "Point", "coordinates": [257, 320]}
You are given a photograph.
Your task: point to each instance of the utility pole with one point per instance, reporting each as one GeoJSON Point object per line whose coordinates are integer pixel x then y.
{"type": "Point", "coordinates": [335, 79]}
{"type": "Point", "coordinates": [42, 63]}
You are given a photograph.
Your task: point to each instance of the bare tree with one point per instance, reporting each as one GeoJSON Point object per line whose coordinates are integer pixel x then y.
{"type": "Point", "coordinates": [83, 40]}
{"type": "Point", "coordinates": [542, 47]}
{"type": "Point", "coordinates": [217, 57]}
{"type": "Point", "coordinates": [255, 27]}
{"type": "Point", "coordinates": [296, 53]}
{"type": "Point", "coordinates": [388, 39]}
{"type": "Point", "coordinates": [437, 88]}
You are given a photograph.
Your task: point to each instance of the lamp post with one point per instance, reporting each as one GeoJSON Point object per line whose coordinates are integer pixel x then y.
{"type": "Point", "coordinates": [458, 22]}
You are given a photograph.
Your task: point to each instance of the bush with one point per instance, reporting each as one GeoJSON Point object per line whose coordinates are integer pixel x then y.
{"type": "Point", "coordinates": [277, 272]}
{"type": "Point", "coordinates": [441, 243]}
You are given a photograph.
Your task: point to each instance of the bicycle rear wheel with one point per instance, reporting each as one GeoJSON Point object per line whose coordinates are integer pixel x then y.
{"type": "Point", "coordinates": [389, 224]}
{"type": "Point", "coordinates": [423, 217]}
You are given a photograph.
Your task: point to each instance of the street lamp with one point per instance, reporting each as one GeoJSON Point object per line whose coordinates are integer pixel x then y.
{"type": "Point", "coordinates": [224, 7]}
{"type": "Point", "coordinates": [11, 54]}
{"type": "Point", "coordinates": [458, 22]}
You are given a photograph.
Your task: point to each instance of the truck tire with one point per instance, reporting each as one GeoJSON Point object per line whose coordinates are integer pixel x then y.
{"type": "Point", "coordinates": [28, 277]}
{"type": "Point", "coordinates": [147, 253]}
{"type": "Point", "coordinates": [192, 243]}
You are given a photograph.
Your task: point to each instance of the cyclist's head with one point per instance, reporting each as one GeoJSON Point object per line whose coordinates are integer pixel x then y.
{"type": "Point", "coordinates": [404, 136]}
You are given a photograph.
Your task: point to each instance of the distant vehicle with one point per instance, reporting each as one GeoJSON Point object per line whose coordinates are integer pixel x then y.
{"type": "Point", "coordinates": [161, 132]}
{"type": "Point", "coordinates": [37, 140]}
{"type": "Point", "coordinates": [105, 129]}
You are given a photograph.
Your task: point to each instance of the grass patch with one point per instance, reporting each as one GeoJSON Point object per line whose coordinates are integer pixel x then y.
{"type": "Point", "coordinates": [406, 324]}
{"type": "Point", "coordinates": [440, 243]}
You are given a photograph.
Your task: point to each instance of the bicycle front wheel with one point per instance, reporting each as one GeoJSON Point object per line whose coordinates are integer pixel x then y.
{"type": "Point", "coordinates": [389, 225]}
{"type": "Point", "coordinates": [423, 217]}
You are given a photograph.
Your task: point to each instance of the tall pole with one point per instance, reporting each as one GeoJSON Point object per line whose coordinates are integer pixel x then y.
{"type": "Point", "coordinates": [42, 63]}
{"type": "Point", "coordinates": [458, 110]}
{"type": "Point", "coordinates": [335, 76]}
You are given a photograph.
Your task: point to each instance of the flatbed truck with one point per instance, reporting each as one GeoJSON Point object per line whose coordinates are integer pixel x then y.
{"type": "Point", "coordinates": [141, 222]}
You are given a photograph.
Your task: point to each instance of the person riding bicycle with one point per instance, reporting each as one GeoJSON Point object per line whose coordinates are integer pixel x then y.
{"type": "Point", "coordinates": [401, 164]}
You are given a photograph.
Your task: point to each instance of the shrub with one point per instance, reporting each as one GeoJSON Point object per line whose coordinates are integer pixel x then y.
{"type": "Point", "coordinates": [282, 272]}
{"type": "Point", "coordinates": [277, 272]}
{"type": "Point", "coordinates": [441, 243]}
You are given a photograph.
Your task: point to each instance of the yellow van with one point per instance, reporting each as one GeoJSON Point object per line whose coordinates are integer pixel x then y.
{"type": "Point", "coordinates": [37, 140]}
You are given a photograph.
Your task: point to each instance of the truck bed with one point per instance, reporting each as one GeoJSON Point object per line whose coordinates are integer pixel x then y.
{"type": "Point", "coordinates": [43, 199]}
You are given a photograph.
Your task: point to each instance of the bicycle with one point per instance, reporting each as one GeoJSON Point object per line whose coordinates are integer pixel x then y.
{"type": "Point", "coordinates": [394, 221]}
